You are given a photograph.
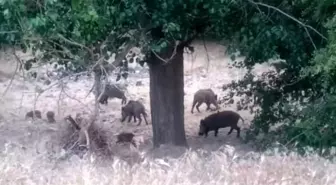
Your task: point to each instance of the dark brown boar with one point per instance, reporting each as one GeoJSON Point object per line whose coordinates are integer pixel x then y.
{"type": "Point", "coordinates": [204, 96]}
{"type": "Point", "coordinates": [135, 109]}
{"type": "Point", "coordinates": [220, 120]}
{"type": "Point", "coordinates": [126, 137]}
{"type": "Point", "coordinates": [112, 91]}
{"type": "Point", "coordinates": [50, 116]}
{"type": "Point", "coordinates": [30, 114]}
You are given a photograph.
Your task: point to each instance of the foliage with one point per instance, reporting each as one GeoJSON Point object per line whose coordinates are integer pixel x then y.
{"type": "Point", "coordinates": [304, 102]}
{"type": "Point", "coordinates": [317, 126]}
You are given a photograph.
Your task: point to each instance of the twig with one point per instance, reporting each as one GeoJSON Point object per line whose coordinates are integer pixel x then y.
{"type": "Point", "coordinates": [90, 90]}
{"type": "Point", "coordinates": [76, 100]}
{"type": "Point", "coordinates": [294, 138]}
{"type": "Point", "coordinates": [207, 54]}
{"type": "Point", "coordinates": [12, 79]}
{"type": "Point", "coordinates": [289, 16]}
{"type": "Point", "coordinates": [6, 32]}
{"type": "Point", "coordinates": [311, 40]}
{"type": "Point", "coordinates": [59, 99]}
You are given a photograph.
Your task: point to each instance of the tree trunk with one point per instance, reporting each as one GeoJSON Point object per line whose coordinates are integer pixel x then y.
{"type": "Point", "coordinates": [167, 100]}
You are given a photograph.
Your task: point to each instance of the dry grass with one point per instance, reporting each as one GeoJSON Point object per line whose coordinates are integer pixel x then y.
{"type": "Point", "coordinates": [221, 167]}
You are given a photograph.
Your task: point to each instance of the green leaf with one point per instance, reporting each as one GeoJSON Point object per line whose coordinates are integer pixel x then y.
{"type": "Point", "coordinates": [163, 44]}
{"type": "Point", "coordinates": [164, 5]}
{"type": "Point", "coordinates": [122, 15]}
{"type": "Point", "coordinates": [22, 7]}
{"type": "Point", "coordinates": [156, 48]}
{"type": "Point", "coordinates": [128, 12]}
{"type": "Point", "coordinates": [12, 37]}
{"type": "Point", "coordinates": [255, 20]}
{"type": "Point", "coordinates": [75, 4]}
{"type": "Point", "coordinates": [53, 16]}
{"type": "Point", "coordinates": [6, 12]}
{"type": "Point", "coordinates": [268, 33]}
{"type": "Point", "coordinates": [113, 9]}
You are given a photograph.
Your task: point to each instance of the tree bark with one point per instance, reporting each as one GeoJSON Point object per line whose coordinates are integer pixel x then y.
{"type": "Point", "coordinates": [167, 100]}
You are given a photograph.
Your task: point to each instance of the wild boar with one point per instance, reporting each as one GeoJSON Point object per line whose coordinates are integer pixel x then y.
{"type": "Point", "coordinates": [204, 96]}
{"type": "Point", "coordinates": [50, 116]}
{"type": "Point", "coordinates": [220, 120]}
{"type": "Point", "coordinates": [112, 91]}
{"type": "Point", "coordinates": [30, 114]}
{"type": "Point", "coordinates": [135, 109]}
{"type": "Point", "coordinates": [126, 137]}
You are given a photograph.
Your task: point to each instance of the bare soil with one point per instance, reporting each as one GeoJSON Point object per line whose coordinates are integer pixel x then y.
{"type": "Point", "coordinates": [73, 98]}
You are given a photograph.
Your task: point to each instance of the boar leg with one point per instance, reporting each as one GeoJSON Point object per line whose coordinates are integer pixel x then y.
{"type": "Point", "coordinates": [230, 131]}
{"type": "Point", "coordinates": [140, 120]}
{"type": "Point", "coordinates": [217, 107]}
{"type": "Point", "coordinates": [216, 132]}
{"type": "Point", "coordinates": [238, 131]}
{"type": "Point", "coordinates": [193, 105]}
{"type": "Point", "coordinates": [134, 118]}
{"type": "Point", "coordinates": [145, 118]}
{"type": "Point", "coordinates": [123, 118]}
{"type": "Point", "coordinates": [129, 118]}
{"type": "Point", "coordinates": [206, 132]}
{"type": "Point", "coordinates": [208, 106]}
{"type": "Point", "coordinates": [198, 105]}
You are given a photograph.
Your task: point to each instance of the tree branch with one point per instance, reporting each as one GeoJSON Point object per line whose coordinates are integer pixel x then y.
{"type": "Point", "coordinates": [289, 16]}
{"type": "Point", "coordinates": [76, 44]}
{"type": "Point", "coordinates": [177, 43]}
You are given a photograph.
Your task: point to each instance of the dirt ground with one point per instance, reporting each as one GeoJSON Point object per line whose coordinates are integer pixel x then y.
{"type": "Point", "coordinates": [199, 73]}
